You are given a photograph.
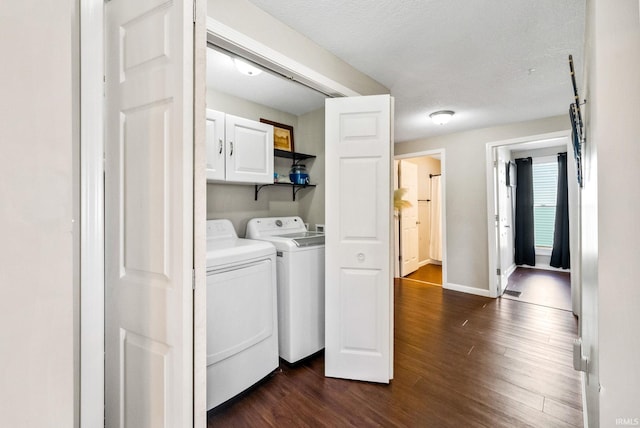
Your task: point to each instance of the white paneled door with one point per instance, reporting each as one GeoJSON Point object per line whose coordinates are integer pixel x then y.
{"type": "Point", "coordinates": [504, 220]}
{"type": "Point", "coordinates": [149, 213]}
{"type": "Point", "coordinates": [409, 219]}
{"type": "Point", "coordinates": [359, 282]}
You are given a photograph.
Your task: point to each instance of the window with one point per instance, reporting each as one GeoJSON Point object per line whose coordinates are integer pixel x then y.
{"type": "Point", "coordinates": [545, 185]}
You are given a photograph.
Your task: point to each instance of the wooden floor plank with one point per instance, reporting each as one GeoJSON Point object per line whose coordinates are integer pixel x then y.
{"type": "Point", "coordinates": [541, 287]}
{"type": "Point", "coordinates": [430, 273]}
{"type": "Point", "coordinates": [460, 360]}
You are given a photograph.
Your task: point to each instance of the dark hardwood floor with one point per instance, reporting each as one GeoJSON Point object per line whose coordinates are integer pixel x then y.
{"type": "Point", "coordinates": [460, 361]}
{"type": "Point", "coordinates": [540, 287]}
{"type": "Point", "coordinates": [428, 273]}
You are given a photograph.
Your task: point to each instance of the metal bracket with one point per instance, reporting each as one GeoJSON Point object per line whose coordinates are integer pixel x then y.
{"type": "Point", "coordinates": [258, 187]}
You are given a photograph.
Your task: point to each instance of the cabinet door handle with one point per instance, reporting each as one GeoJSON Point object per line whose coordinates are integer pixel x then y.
{"type": "Point", "coordinates": [220, 146]}
{"type": "Point", "coordinates": [231, 148]}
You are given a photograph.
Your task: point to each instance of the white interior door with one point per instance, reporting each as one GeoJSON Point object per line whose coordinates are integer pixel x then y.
{"type": "Point", "coordinates": [359, 283]}
{"type": "Point", "coordinates": [504, 219]}
{"type": "Point", "coordinates": [149, 213]}
{"type": "Point", "coordinates": [409, 219]}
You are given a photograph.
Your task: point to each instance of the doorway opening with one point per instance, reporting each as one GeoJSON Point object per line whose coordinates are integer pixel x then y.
{"type": "Point", "coordinates": [419, 225]}
{"type": "Point", "coordinates": [522, 220]}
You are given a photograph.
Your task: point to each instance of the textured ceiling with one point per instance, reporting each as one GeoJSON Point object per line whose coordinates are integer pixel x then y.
{"type": "Point", "coordinates": [491, 61]}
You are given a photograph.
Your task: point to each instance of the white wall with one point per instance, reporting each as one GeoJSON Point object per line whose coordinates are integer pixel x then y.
{"type": "Point", "coordinates": [547, 151]}
{"type": "Point", "coordinates": [38, 140]}
{"type": "Point", "coordinates": [466, 223]}
{"type": "Point", "coordinates": [310, 140]}
{"type": "Point", "coordinates": [611, 295]}
{"type": "Point", "coordinates": [236, 202]}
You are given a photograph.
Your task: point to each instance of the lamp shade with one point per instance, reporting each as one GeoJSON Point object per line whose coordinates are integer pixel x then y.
{"type": "Point", "coordinates": [441, 117]}
{"type": "Point", "coordinates": [246, 68]}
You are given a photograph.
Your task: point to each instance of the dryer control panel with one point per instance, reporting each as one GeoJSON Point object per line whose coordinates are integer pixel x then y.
{"type": "Point", "coordinates": [272, 226]}
{"type": "Point", "coordinates": [220, 229]}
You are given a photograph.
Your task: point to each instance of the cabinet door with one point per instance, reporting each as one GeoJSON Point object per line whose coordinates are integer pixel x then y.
{"type": "Point", "coordinates": [249, 151]}
{"type": "Point", "coordinates": [215, 145]}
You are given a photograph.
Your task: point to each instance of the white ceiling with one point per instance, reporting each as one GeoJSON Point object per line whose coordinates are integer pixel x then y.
{"type": "Point", "coordinates": [266, 88]}
{"type": "Point", "coordinates": [491, 61]}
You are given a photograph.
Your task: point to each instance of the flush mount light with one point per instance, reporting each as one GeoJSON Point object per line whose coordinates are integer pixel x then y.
{"type": "Point", "coordinates": [441, 117]}
{"type": "Point", "coordinates": [246, 68]}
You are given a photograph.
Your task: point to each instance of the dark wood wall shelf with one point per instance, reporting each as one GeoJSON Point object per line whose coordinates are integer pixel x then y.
{"type": "Point", "coordinates": [295, 156]}
{"type": "Point", "coordinates": [295, 188]}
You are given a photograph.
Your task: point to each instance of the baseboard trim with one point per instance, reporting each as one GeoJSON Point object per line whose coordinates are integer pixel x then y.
{"type": "Point", "coordinates": [585, 412]}
{"type": "Point", "coordinates": [545, 267]}
{"type": "Point", "coordinates": [466, 289]}
{"type": "Point", "coordinates": [430, 262]}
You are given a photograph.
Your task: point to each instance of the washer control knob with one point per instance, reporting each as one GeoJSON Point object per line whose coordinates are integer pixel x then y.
{"type": "Point", "coordinates": [360, 257]}
{"type": "Point", "coordinates": [279, 223]}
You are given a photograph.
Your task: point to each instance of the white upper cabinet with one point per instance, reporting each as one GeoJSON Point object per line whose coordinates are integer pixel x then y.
{"type": "Point", "coordinates": [215, 145]}
{"type": "Point", "coordinates": [249, 150]}
{"type": "Point", "coordinates": [239, 150]}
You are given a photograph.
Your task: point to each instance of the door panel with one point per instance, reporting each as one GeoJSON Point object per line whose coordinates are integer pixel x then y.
{"type": "Point", "coordinates": [358, 241]}
{"type": "Point", "coordinates": [215, 145]}
{"type": "Point", "coordinates": [504, 229]}
{"type": "Point", "coordinates": [148, 213]}
{"type": "Point", "coordinates": [424, 230]}
{"type": "Point", "coordinates": [409, 218]}
{"type": "Point", "coordinates": [249, 150]}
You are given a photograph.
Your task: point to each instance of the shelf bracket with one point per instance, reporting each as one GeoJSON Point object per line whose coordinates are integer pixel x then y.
{"type": "Point", "coordinates": [295, 188]}
{"type": "Point", "coordinates": [258, 187]}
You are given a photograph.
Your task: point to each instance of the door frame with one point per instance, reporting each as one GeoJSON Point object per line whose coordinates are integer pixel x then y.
{"type": "Point", "coordinates": [90, 397]}
{"type": "Point", "coordinates": [443, 210]}
{"type": "Point", "coordinates": [491, 200]}
{"type": "Point", "coordinates": [90, 344]}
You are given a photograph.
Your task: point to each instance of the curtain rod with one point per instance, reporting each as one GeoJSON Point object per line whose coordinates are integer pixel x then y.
{"type": "Point", "coordinates": [434, 175]}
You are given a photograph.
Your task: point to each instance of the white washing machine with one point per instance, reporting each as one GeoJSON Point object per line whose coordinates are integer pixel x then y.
{"type": "Point", "coordinates": [242, 323]}
{"type": "Point", "coordinates": [300, 272]}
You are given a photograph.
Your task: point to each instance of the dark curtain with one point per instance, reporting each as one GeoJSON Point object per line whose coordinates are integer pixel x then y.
{"type": "Point", "coordinates": [525, 253]}
{"type": "Point", "coordinates": [560, 253]}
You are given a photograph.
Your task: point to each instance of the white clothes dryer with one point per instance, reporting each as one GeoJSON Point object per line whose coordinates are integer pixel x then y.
{"type": "Point", "coordinates": [300, 273]}
{"type": "Point", "coordinates": [242, 323]}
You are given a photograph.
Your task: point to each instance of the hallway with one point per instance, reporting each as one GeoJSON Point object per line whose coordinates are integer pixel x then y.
{"type": "Point", "coordinates": [460, 360]}
{"type": "Point", "coordinates": [541, 287]}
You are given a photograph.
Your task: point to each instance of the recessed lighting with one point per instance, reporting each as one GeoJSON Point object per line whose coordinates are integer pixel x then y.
{"type": "Point", "coordinates": [441, 117]}
{"type": "Point", "coordinates": [246, 68]}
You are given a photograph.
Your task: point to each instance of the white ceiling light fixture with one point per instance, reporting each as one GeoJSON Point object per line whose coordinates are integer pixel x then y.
{"type": "Point", "coordinates": [246, 68]}
{"type": "Point", "coordinates": [441, 117]}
